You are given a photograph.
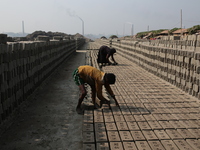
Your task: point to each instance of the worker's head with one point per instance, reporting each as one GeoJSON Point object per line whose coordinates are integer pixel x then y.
{"type": "Point", "coordinates": [113, 50]}
{"type": "Point", "coordinates": [110, 78]}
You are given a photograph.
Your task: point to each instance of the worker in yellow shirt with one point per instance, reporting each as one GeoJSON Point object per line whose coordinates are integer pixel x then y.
{"type": "Point", "coordinates": [96, 79]}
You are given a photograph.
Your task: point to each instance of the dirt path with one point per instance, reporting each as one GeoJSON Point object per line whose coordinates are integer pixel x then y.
{"type": "Point", "coordinates": [49, 121]}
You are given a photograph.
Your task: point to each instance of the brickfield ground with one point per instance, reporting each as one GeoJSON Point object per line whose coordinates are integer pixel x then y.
{"type": "Point", "coordinates": [152, 113]}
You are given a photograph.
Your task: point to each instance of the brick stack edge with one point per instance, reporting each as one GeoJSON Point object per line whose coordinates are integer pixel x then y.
{"type": "Point", "coordinates": [24, 66]}
{"type": "Point", "coordinates": [176, 61]}
{"type": "Point", "coordinates": [3, 38]}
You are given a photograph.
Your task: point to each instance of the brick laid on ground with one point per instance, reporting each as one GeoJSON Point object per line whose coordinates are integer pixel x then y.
{"type": "Point", "coordinates": [152, 113]}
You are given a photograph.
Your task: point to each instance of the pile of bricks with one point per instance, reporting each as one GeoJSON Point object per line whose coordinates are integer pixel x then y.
{"type": "Point", "coordinates": [175, 61]}
{"type": "Point", "coordinates": [24, 66]}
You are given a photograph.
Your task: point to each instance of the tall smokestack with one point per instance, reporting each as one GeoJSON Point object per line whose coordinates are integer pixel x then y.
{"type": "Point", "coordinates": [23, 28]}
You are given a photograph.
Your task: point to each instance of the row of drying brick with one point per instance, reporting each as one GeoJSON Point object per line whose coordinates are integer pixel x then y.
{"type": "Point", "coordinates": [142, 120]}
{"type": "Point", "coordinates": [99, 129]}
{"type": "Point", "coordinates": [143, 145]}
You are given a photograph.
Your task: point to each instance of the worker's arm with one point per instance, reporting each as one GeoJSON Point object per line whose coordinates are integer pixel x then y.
{"type": "Point", "coordinates": [109, 90]}
{"type": "Point", "coordinates": [112, 57]}
{"type": "Point", "coordinates": [99, 92]}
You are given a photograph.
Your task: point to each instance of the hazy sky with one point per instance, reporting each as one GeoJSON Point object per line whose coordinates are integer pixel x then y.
{"type": "Point", "coordinates": [99, 16]}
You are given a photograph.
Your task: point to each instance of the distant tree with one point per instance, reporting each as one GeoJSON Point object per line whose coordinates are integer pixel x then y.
{"type": "Point", "coordinates": [194, 29]}
{"type": "Point", "coordinates": [172, 30]}
{"type": "Point", "coordinates": [103, 37]}
{"type": "Point", "coordinates": [113, 36]}
{"type": "Point", "coordinates": [142, 34]}
{"type": "Point", "coordinates": [157, 32]}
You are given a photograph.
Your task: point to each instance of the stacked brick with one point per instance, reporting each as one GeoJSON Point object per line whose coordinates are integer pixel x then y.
{"type": "Point", "coordinates": [176, 61]}
{"type": "Point", "coordinates": [24, 66]}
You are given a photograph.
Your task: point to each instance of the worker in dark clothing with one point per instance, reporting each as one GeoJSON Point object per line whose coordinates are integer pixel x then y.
{"type": "Point", "coordinates": [103, 56]}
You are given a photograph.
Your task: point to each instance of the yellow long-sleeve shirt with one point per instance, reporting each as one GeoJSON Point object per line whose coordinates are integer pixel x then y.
{"type": "Point", "coordinates": [95, 77]}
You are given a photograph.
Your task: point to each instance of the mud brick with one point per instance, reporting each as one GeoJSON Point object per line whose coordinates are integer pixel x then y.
{"type": "Point", "coordinates": [98, 112]}
{"type": "Point", "coordinates": [98, 118]}
{"type": "Point", "coordinates": [189, 124]}
{"type": "Point", "coordinates": [161, 134]}
{"type": "Point", "coordinates": [105, 106]}
{"type": "Point", "coordinates": [116, 110]}
{"type": "Point", "coordinates": [170, 105]}
{"type": "Point", "coordinates": [194, 110]}
{"type": "Point", "coordinates": [88, 146]}
{"type": "Point", "coordinates": [196, 116]}
{"type": "Point", "coordinates": [181, 116]}
{"type": "Point", "coordinates": [182, 144]}
{"type": "Point", "coordinates": [137, 136]}
{"type": "Point", "coordinates": [194, 143]}
{"type": "Point", "coordinates": [113, 136]}
{"type": "Point", "coordinates": [129, 146]}
{"type": "Point", "coordinates": [193, 116]}
{"type": "Point", "coordinates": [126, 111]}
{"type": "Point", "coordinates": [162, 111]}
{"type": "Point", "coordinates": [154, 125]}
{"type": "Point", "coordinates": [128, 100]}
{"type": "Point", "coordinates": [195, 132]}
{"type": "Point", "coordinates": [142, 145]}
{"type": "Point", "coordinates": [149, 117]}
{"type": "Point", "coordinates": [122, 126]}
{"type": "Point", "coordinates": [109, 118]}
{"type": "Point", "coordinates": [166, 125]}
{"type": "Point", "coordinates": [170, 116]}
{"type": "Point", "coordinates": [125, 136]}
{"type": "Point", "coordinates": [119, 118]}
{"type": "Point", "coordinates": [177, 124]}
{"type": "Point", "coordinates": [131, 105]}
{"type": "Point", "coordinates": [116, 146]}
{"type": "Point", "coordinates": [144, 111]}
{"type": "Point", "coordinates": [133, 126]}
{"type": "Point", "coordinates": [175, 110]}
{"type": "Point", "coordinates": [136, 100]}
{"type": "Point", "coordinates": [182, 111]}
{"type": "Point", "coordinates": [144, 100]}
{"type": "Point", "coordinates": [110, 126]}
{"type": "Point", "coordinates": [88, 127]}
{"type": "Point", "coordinates": [148, 105]}
{"type": "Point", "coordinates": [99, 127]}
{"type": "Point", "coordinates": [173, 134]}
{"type": "Point", "coordinates": [101, 136]}
{"type": "Point", "coordinates": [197, 122]}
{"type": "Point", "coordinates": [103, 146]}
{"type": "Point", "coordinates": [139, 118]}
{"type": "Point", "coordinates": [129, 118]}
{"type": "Point", "coordinates": [88, 118]}
{"type": "Point", "coordinates": [169, 145]}
{"type": "Point", "coordinates": [139, 105]}
{"type": "Point", "coordinates": [186, 133]}
{"type": "Point", "coordinates": [120, 100]}
{"type": "Point", "coordinates": [194, 104]}
{"type": "Point", "coordinates": [88, 137]}
{"type": "Point", "coordinates": [156, 145]}
{"type": "Point", "coordinates": [107, 112]}
{"type": "Point", "coordinates": [135, 111]}
{"type": "Point", "coordinates": [149, 135]}
{"type": "Point", "coordinates": [144, 125]}
{"type": "Point", "coordinates": [159, 117]}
